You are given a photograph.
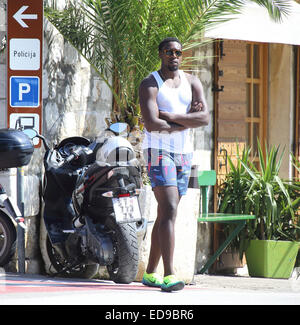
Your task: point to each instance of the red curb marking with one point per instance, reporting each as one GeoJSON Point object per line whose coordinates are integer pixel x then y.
{"type": "Point", "coordinates": [15, 286]}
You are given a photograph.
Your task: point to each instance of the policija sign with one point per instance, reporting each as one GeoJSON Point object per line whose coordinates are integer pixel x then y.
{"type": "Point", "coordinates": [24, 68]}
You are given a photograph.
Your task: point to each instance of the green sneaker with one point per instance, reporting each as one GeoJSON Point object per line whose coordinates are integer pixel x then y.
{"type": "Point", "coordinates": [152, 280]}
{"type": "Point", "coordinates": [171, 283]}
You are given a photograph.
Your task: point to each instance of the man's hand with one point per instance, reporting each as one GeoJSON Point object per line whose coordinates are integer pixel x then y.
{"type": "Point", "coordinates": [196, 107]}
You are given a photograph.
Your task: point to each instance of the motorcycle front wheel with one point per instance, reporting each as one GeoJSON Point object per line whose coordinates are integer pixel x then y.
{"type": "Point", "coordinates": [8, 239]}
{"type": "Point", "coordinates": [56, 265]}
{"type": "Point", "coordinates": [126, 252]}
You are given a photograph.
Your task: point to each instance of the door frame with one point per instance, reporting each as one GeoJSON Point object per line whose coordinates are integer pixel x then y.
{"type": "Point", "coordinates": [264, 58]}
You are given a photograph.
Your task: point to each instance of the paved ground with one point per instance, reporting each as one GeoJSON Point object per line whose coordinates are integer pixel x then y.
{"type": "Point", "coordinates": [17, 289]}
{"type": "Point", "coordinates": [249, 283]}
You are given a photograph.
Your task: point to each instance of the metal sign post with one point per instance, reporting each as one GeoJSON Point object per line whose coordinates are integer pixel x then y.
{"type": "Point", "coordinates": [24, 82]}
{"type": "Point", "coordinates": [25, 64]}
{"type": "Point", "coordinates": [20, 230]}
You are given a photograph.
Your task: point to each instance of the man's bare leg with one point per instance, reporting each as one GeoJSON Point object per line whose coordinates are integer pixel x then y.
{"type": "Point", "coordinates": [163, 232]}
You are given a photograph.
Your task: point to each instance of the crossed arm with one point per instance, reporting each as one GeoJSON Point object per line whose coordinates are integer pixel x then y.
{"type": "Point", "coordinates": [156, 120]}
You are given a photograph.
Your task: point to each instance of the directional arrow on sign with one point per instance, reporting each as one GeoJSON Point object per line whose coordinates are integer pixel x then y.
{"type": "Point", "coordinates": [19, 16]}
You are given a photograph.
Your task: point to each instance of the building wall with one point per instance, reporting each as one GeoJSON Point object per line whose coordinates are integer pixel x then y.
{"type": "Point", "coordinates": [281, 102]}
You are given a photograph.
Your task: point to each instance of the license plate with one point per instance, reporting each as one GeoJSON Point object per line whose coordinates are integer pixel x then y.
{"type": "Point", "coordinates": [126, 209]}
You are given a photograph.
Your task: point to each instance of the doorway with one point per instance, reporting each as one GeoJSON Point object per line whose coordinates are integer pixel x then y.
{"type": "Point", "coordinates": [240, 106]}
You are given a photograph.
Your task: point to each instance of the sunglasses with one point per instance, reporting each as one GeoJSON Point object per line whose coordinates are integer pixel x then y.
{"type": "Point", "coordinates": [178, 53]}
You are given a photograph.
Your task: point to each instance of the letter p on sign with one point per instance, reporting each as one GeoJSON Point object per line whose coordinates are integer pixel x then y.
{"type": "Point", "coordinates": [23, 89]}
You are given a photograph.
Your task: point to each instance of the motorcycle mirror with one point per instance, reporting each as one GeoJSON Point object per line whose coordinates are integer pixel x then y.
{"type": "Point", "coordinates": [119, 128]}
{"type": "Point", "coordinates": [31, 133]}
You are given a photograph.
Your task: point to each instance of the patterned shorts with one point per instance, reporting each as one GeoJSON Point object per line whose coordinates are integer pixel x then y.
{"type": "Point", "coordinates": [168, 169]}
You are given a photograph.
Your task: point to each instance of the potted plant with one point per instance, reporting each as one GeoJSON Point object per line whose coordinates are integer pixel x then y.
{"type": "Point", "coordinates": [270, 242]}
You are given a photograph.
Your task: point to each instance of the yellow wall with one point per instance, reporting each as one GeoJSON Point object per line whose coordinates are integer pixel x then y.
{"type": "Point", "coordinates": [281, 101]}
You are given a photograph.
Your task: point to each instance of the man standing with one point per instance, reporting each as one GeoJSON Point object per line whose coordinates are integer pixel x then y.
{"type": "Point", "coordinates": [172, 102]}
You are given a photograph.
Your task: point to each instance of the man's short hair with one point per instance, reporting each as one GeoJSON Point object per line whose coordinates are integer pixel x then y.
{"type": "Point", "coordinates": [166, 41]}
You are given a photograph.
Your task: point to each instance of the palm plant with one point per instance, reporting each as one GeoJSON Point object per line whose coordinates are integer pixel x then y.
{"type": "Point", "coordinates": [119, 38]}
{"type": "Point", "coordinates": [273, 200]}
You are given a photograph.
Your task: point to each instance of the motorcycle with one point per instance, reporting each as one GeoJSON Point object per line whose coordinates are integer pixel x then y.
{"type": "Point", "coordinates": [16, 151]}
{"type": "Point", "coordinates": [90, 211]}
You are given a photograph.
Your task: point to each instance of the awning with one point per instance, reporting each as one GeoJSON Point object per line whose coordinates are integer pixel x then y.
{"type": "Point", "coordinates": [254, 24]}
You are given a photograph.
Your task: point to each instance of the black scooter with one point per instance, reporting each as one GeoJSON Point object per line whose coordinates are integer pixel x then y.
{"type": "Point", "coordinates": [90, 212]}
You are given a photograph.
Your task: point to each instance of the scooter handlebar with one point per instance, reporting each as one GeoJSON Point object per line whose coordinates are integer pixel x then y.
{"type": "Point", "coordinates": [77, 152]}
{"type": "Point", "coordinates": [66, 160]}
{"type": "Point", "coordinates": [70, 158]}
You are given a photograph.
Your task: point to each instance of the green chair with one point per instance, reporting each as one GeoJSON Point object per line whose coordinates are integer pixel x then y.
{"type": "Point", "coordinates": [208, 178]}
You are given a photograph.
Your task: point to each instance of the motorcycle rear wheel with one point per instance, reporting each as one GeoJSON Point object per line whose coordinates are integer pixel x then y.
{"type": "Point", "coordinates": [55, 264]}
{"type": "Point", "coordinates": [8, 239]}
{"type": "Point", "coordinates": [125, 266]}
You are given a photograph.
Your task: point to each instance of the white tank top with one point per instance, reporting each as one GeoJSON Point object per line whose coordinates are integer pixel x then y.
{"type": "Point", "coordinates": [174, 100]}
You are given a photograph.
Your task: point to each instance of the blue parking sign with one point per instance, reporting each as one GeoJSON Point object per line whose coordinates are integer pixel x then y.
{"type": "Point", "coordinates": [24, 91]}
